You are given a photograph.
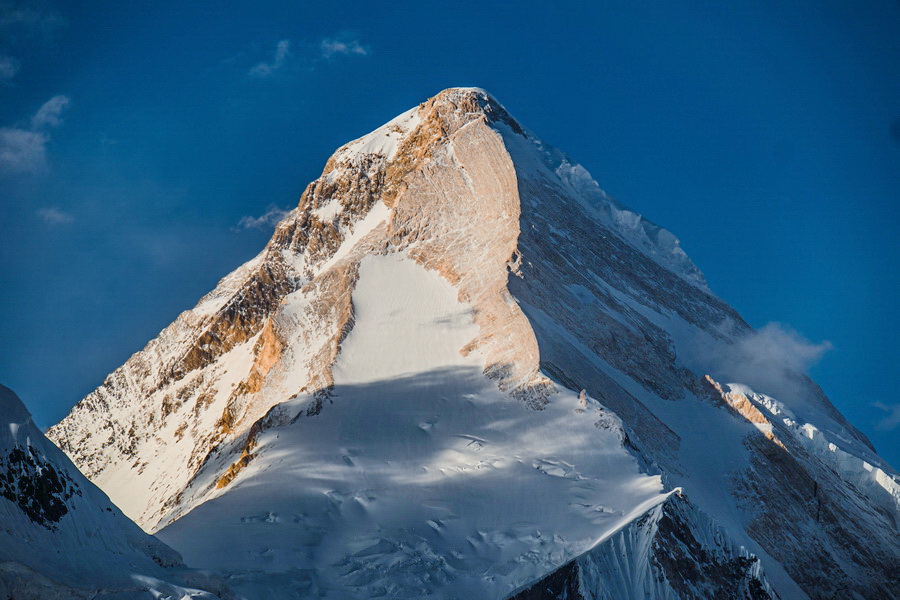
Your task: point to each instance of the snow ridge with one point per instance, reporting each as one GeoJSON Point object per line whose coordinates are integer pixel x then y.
{"type": "Point", "coordinates": [646, 560]}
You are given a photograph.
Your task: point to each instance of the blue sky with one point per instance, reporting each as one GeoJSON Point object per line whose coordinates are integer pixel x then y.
{"type": "Point", "coordinates": [135, 137]}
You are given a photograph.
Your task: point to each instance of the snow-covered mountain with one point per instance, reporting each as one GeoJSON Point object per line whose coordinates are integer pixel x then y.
{"type": "Point", "coordinates": [460, 369]}
{"type": "Point", "coordinates": [61, 537]}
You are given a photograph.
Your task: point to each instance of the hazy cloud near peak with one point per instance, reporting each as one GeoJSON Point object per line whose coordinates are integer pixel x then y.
{"type": "Point", "coordinates": [270, 218]}
{"type": "Point", "coordinates": [54, 216]}
{"type": "Point", "coordinates": [342, 47]}
{"type": "Point", "coordinates": [770, 359]}
{"type": "Point", "coordinates": [9, 66]}
{"type": "Point", "coordinates": [268, 69]}
{"type": "Point", "coordinates": [50, 113]}
{"type": "Point", "coordinates": [776, 344]}
{"type": "Point", "coordinates": [891, 420]}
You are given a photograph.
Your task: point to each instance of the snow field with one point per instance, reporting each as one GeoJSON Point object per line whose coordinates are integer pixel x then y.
{"type": "Point", "coordinates": [419, 476]}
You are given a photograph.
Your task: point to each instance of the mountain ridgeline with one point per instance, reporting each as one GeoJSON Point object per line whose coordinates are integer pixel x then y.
{"type": "Point", "coordinates": [460, 369]}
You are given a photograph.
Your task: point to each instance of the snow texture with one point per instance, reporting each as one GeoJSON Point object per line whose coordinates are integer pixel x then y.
{"type": "Point", "coordinates": [419, 478]}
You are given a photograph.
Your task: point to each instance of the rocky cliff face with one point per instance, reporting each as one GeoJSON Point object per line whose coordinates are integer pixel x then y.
{"type": "Point", "coordinates": [540, 286]}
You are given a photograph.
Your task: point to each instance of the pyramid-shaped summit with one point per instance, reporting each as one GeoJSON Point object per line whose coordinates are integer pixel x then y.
{"type": "Point", "coordinates": [458, 369]}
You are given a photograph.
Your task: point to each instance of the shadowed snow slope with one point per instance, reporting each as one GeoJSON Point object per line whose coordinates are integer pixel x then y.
{"type": "Point", "coordinates": [672, 551]}
{"type": "Point", "coordinates": [60, 537]}
{"type": "Point", "coordinates": [457, 366]}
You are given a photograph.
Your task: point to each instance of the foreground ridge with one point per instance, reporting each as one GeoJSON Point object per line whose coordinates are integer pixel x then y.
{"type": "Point", "coordinates": [671, 551]}
{"type": "Point", "coordinates": [62, 538]}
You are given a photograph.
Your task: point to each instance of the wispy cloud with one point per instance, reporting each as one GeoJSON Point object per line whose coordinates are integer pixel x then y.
{"type": "Point", "coordinates": [51, 215]}
{"type": "Point", "coordinates": [23, 22]}
{"type": "Point", "coordinates": [270, 218]}
{"type": "Point", "coordinates": [771, 360]}
{"type": "Point", "coordinates": [21, 151]}
{"type": "Point", "coordinates": [891, 420]}
{"type": "Point", "coordinates": [268, 69]}
{"type": "Point", "coordinates": [25, 150]}
{"type": "Point", "coordinates": [9, 66]}
{"type": "Point", "coordinates": [289, 55]}
{"type": "Point", "coordinates": [50, 114]}
{"type": "Point", "coordinates": [28, 19]}
{"type": "Point", "coordinates": [331, 47]}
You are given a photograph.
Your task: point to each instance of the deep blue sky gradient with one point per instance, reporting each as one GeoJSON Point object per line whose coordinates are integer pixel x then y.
{"type": "Point", "coordinates": [760, 133]}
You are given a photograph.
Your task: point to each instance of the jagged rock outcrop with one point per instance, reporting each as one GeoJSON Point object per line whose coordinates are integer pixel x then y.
{"type": "Point", "coordinates": [533, 280]}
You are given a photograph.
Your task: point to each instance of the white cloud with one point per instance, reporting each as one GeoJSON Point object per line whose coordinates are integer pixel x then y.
{"type": "Point", "coordinates": [270, 218]}
{"type": "Point", "coordinates": [771, 360]}
{"type": "Point", "coordinates": [268, 69]}
{"type": "Point", "coordinates": [308, 55]}
{"type": "Point", "coordinates": [9, 66]}
{"type": "Point", "coordinates": [342, 47]}
{"type": "Point", "coordinates": [25, 150]}
{"type": "Point", "coordinates": [22, 151]}
{"type": "Point", "coordinates": [50, 114]}
{"type": "Point", "coordinates": [891, 420]}
{"type": "Point", "coordinates": [54, 216]}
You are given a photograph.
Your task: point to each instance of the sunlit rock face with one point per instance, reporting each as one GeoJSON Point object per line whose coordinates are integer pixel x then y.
{"type": "Point", "coordinates": [385, 401]}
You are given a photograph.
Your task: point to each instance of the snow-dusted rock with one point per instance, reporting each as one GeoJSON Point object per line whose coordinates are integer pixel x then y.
{"type": "Point", "coordinates": [61, 537]}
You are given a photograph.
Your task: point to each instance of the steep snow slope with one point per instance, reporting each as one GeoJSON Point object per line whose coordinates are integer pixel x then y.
{"type": "Point", "coordinates": [555, 288]}
{"type": "Point", "coordinates": [671, 552]}
{"type": "Point", "coordinates": [60, 537]}
{"type": "Point", "coordinates": [419, 477]}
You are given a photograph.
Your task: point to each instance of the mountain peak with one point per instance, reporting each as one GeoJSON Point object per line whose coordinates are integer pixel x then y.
{"type": "Point", "coordinates": [467, 98]}
{"type": "Point", "coordinates": [474, 99]}
{"type": "Point", "coordinates": [455, 343]}
{"type": "Point", "coordinates": [438, 117]}
{"type": "Point", "coordinates": [11, 407]}
{"type": "Point", "coordinates": [464, 93]}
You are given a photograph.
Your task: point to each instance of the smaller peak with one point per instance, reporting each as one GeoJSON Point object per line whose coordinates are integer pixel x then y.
{"type": "Point", "coordinates": [12, 410]}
